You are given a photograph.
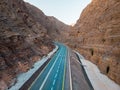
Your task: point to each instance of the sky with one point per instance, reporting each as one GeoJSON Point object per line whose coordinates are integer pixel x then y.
{"type": "Point", "coordinates": [67, 11]}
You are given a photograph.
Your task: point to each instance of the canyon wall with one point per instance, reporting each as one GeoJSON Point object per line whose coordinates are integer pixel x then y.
{"type": "Point", "coordinates": [96, 35]}
{"type": "Point", "coordinates": [56, 29]}
{"type": "Point", "coordinates": [23, 40]}
{"type": "Point", "coordinates": [26, 35]}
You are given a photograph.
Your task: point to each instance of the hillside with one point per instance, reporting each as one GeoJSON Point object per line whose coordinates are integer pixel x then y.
{"type": "Point", "coordinates": [97, 36]}
{"type": "Point", "coordinates": [56, 29]}
{"type": "Point", "coordinates": [23, 40]}
{"type": "Point", "coordinates": [26, 35]}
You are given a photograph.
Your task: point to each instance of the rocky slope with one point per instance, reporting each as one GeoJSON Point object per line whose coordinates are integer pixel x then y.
{"type": "Point", "coordinates": [23, 40]}
{"type": "Point", "coordinates": [56, 29]}
{"type": "Point", "coordinates": [97, 36]}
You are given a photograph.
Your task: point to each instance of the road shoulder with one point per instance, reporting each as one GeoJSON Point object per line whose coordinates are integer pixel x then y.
{"type": "Point", "coordinates": [79, 81]}
{"type": "Point", "coordinates": [98, 80]}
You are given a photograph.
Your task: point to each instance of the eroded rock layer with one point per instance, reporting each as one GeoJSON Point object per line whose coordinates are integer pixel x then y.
{"type": "Point", "coordinates": [23, 40]}
{"type": "Point", "coordinates": [56, 29]}
{"type": "Point", "coordinates": [97, 36]}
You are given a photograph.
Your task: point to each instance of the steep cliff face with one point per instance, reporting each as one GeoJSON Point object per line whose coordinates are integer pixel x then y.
{"type": "Point", "coordinates": [23, 40]}
{"type": "Point", "coordinates": [56, 29]}
{"type": "Point", "coordinates": [97, 36]}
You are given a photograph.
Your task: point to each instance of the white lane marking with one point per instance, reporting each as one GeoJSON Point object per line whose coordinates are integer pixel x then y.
{"type": "Point", "coordinates": [54, 82]}
{"type": "Point", "coordinates": [59, 65]}
{"type": "Point", "coordinates": [63, 80]}
{"type": "Point", "coordinates": [57, 70]}
{"type": "Point", "coordinates": [49, 71]}
{"type": "Point", "coordinates": [70, 71]}
{"type": "Point", "coordinates": [51, 88]}
{"type": "Point", "coordinates": [56, 75]}
{"type": "Point", "coordinates": [39, 74]}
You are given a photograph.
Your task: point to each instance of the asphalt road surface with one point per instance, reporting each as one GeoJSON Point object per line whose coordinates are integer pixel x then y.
{"type": "Point", "coordinates": [56, 74]}
{"type": "Point", "coordinates": [52, 76]}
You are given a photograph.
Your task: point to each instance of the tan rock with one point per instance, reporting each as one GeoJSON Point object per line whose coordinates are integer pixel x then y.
{"type": "Point", "coordinates": [99, 26]}
{"type": "Point", "coordinates": [3, 85]}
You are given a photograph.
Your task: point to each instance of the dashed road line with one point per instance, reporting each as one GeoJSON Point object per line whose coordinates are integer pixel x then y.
{"type": "Point", "coordinates": [64, 74]}
{"type": "Point", "coordinates": [54, 82]}
{"type": "Point", "coordinates": [51, 88]}
{"type": "Point", "coordinates": [49, 71]}
{"type": "Point", "coordinates": [56, 75]}
{"type": "Point", "coordinates": [57, 70]}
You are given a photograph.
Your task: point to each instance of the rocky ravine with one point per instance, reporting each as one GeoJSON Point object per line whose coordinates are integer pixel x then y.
{"type": "Point", "coordinates": [97, 36]}
{"type": "Point", "coordinates": [23, 40]}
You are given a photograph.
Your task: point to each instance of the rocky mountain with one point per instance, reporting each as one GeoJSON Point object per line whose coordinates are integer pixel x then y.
{"type": "Point", "coordinates": [23, 40]}
{"type": "Point", "coordinates": [97, 36]}
{"type": "Point", "coordinates": [26, 34]}
{"type": "Point", "coordinates": [56, 29]}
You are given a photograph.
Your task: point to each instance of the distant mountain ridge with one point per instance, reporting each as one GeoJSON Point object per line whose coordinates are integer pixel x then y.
{"type": "Point", "coordinates": [55, 28]}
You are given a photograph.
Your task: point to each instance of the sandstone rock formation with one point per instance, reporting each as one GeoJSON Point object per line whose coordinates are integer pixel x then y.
{"type": "Point", "coordinates": [22, 40]}
{"type": "Point", "coordinates": [56, 29]}
{"type": "Point", "coordinates": [97, 36]}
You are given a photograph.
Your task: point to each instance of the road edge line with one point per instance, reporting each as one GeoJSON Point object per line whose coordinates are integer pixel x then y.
{"type": "Point", "coordinates": [70, 70]}
{"type": "Point", "coordinates": [63, 83]}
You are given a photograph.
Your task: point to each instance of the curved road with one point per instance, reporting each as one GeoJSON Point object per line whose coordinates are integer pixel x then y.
{"type": "Point", "coordinates": [56, 73]}
{"type": "Point", "coordinates": [52, 76]}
